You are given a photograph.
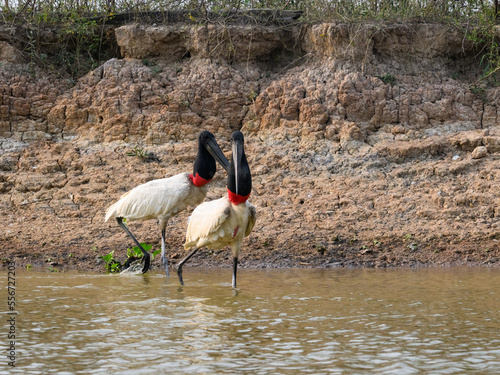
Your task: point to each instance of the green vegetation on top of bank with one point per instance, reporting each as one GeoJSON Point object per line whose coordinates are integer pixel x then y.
{"type": "Point", "coordinates": [72, 37]}
{"type": "Point", "coordinates": [313, 10]}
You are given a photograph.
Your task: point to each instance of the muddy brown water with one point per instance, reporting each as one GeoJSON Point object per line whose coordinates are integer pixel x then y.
{"type": "Point", "coordinates": [287, 321]}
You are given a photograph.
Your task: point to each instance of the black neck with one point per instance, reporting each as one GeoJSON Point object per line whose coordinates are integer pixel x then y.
{"type": "Point", "coordinates": [204, 164]}
{"type": "Point", "coordinates": [244, 177]}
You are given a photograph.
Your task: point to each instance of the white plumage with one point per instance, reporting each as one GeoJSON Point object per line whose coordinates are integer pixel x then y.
{"type": "Point", "coordinates": [225, 221]}
{"type": "Point", "coordinates": [220, 223]}
{"type": "Point", "coordinates": [158, 199]}
{"type": "Point", "coordinates": [217, 224]}
{"type": "Point", "coordinates": [161, 199]}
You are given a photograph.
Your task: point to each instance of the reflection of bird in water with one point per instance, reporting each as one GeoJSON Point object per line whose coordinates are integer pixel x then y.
{"type": "Point", "coordinates": [163, 198]}
{"type": "Point", "coordinates": [225, 221]}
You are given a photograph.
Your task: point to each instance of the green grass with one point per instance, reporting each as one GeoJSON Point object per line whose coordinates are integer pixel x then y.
{"type": "Point", "coordinates": [388, 78]}
{"type": "Point", "coordinates": [138, 152]}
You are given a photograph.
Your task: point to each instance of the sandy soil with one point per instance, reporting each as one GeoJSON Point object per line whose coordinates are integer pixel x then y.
{"type": "Point", "coordinates": [367, 143]}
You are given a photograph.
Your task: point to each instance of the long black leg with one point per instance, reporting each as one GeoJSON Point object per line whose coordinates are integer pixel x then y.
{"type": "Point", "coordinates": [164, 260]}
{"type": "Point", "coordinates": [145, 254]}
{"type": "Point", "coordinates": [235, 268]}
{"type": "Point", "coordinates": [179, 267]}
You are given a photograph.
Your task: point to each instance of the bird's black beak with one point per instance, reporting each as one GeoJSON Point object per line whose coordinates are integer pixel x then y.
{"type": "Point", "coordinates": [237, 148]}
{"type": "Point", "coordinates": [213, 148]}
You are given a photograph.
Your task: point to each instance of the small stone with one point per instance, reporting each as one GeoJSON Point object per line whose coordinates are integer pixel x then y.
{"type": "Point", "coordinates": [479, 152]}
{"type": "Point", "coordinates": [398, 129]}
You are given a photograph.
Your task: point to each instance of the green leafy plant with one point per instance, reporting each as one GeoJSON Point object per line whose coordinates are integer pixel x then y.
{"type": "Point", "coordinates": [112, 265]}
{"type": "Point", "coordinates": [252, 96]}
{"type": "Point", "coordinates": [137, 253]}
{"type": "Point", "coordinates": [388, 78]}
{"type": "Point", "coordinates": [148, 63]}
{"type": "Point", "coordinates": [138, 152]}
{"type": "Point", "coordinates": [115, 266]}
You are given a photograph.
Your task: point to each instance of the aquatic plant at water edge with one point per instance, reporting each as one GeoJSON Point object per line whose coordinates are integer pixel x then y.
{"type": "Point", "coordinates": [113, 265]}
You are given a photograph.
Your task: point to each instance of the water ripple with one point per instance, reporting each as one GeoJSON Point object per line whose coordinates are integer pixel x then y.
{"type": "Point", "coordinates": [279, 321]}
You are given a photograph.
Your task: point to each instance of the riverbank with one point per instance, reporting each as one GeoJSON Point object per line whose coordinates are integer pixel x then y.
{"type": "Point", "coordinates": [369, 146]}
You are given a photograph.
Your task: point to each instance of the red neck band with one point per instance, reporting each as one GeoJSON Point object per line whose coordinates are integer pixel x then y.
{"type": "Point", "coordinates": [235, 198]}
{"type": "Point", "coordinates": [198, 181]}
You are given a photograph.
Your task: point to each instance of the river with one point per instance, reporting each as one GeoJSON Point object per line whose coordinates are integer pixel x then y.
{"type": "Point", "coordinates": [278, 321]}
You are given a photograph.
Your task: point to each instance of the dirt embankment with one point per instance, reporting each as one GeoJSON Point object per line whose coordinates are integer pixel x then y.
{"type": "Point", "coordinates": [367, 144]}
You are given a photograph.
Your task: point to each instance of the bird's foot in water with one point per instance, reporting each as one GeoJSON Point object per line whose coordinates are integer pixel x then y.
{"type": "Point", "coordinates": [179, 274]}
{"type": "Point", "coordinates": [164, 262]}
{"type": "Point", "coordinates": [136, 266]}
{"type": "Point", "coordinates": [147, 262]}
{"type": "Point", "coordinates": [133, 266]}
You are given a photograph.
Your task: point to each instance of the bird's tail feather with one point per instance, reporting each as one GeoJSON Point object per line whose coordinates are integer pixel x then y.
{"type": "Point", "coordinates": [114, 209]}
{"type": "Point", "coordinates": [110, 212]}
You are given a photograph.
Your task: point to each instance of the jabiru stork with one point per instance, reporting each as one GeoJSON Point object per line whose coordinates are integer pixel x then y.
{"type": "Point", "coordinates": [225, 221]}
{"type": "Point", "coordinates": [163, 198]}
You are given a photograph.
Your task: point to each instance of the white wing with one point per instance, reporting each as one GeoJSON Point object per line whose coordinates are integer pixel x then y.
{"type": "Point", "coordinates": [163, 197]}
{"type": "Point", "coordinates": [206, 220]}
{"type": "Point", "coordinates": [251, 219]}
